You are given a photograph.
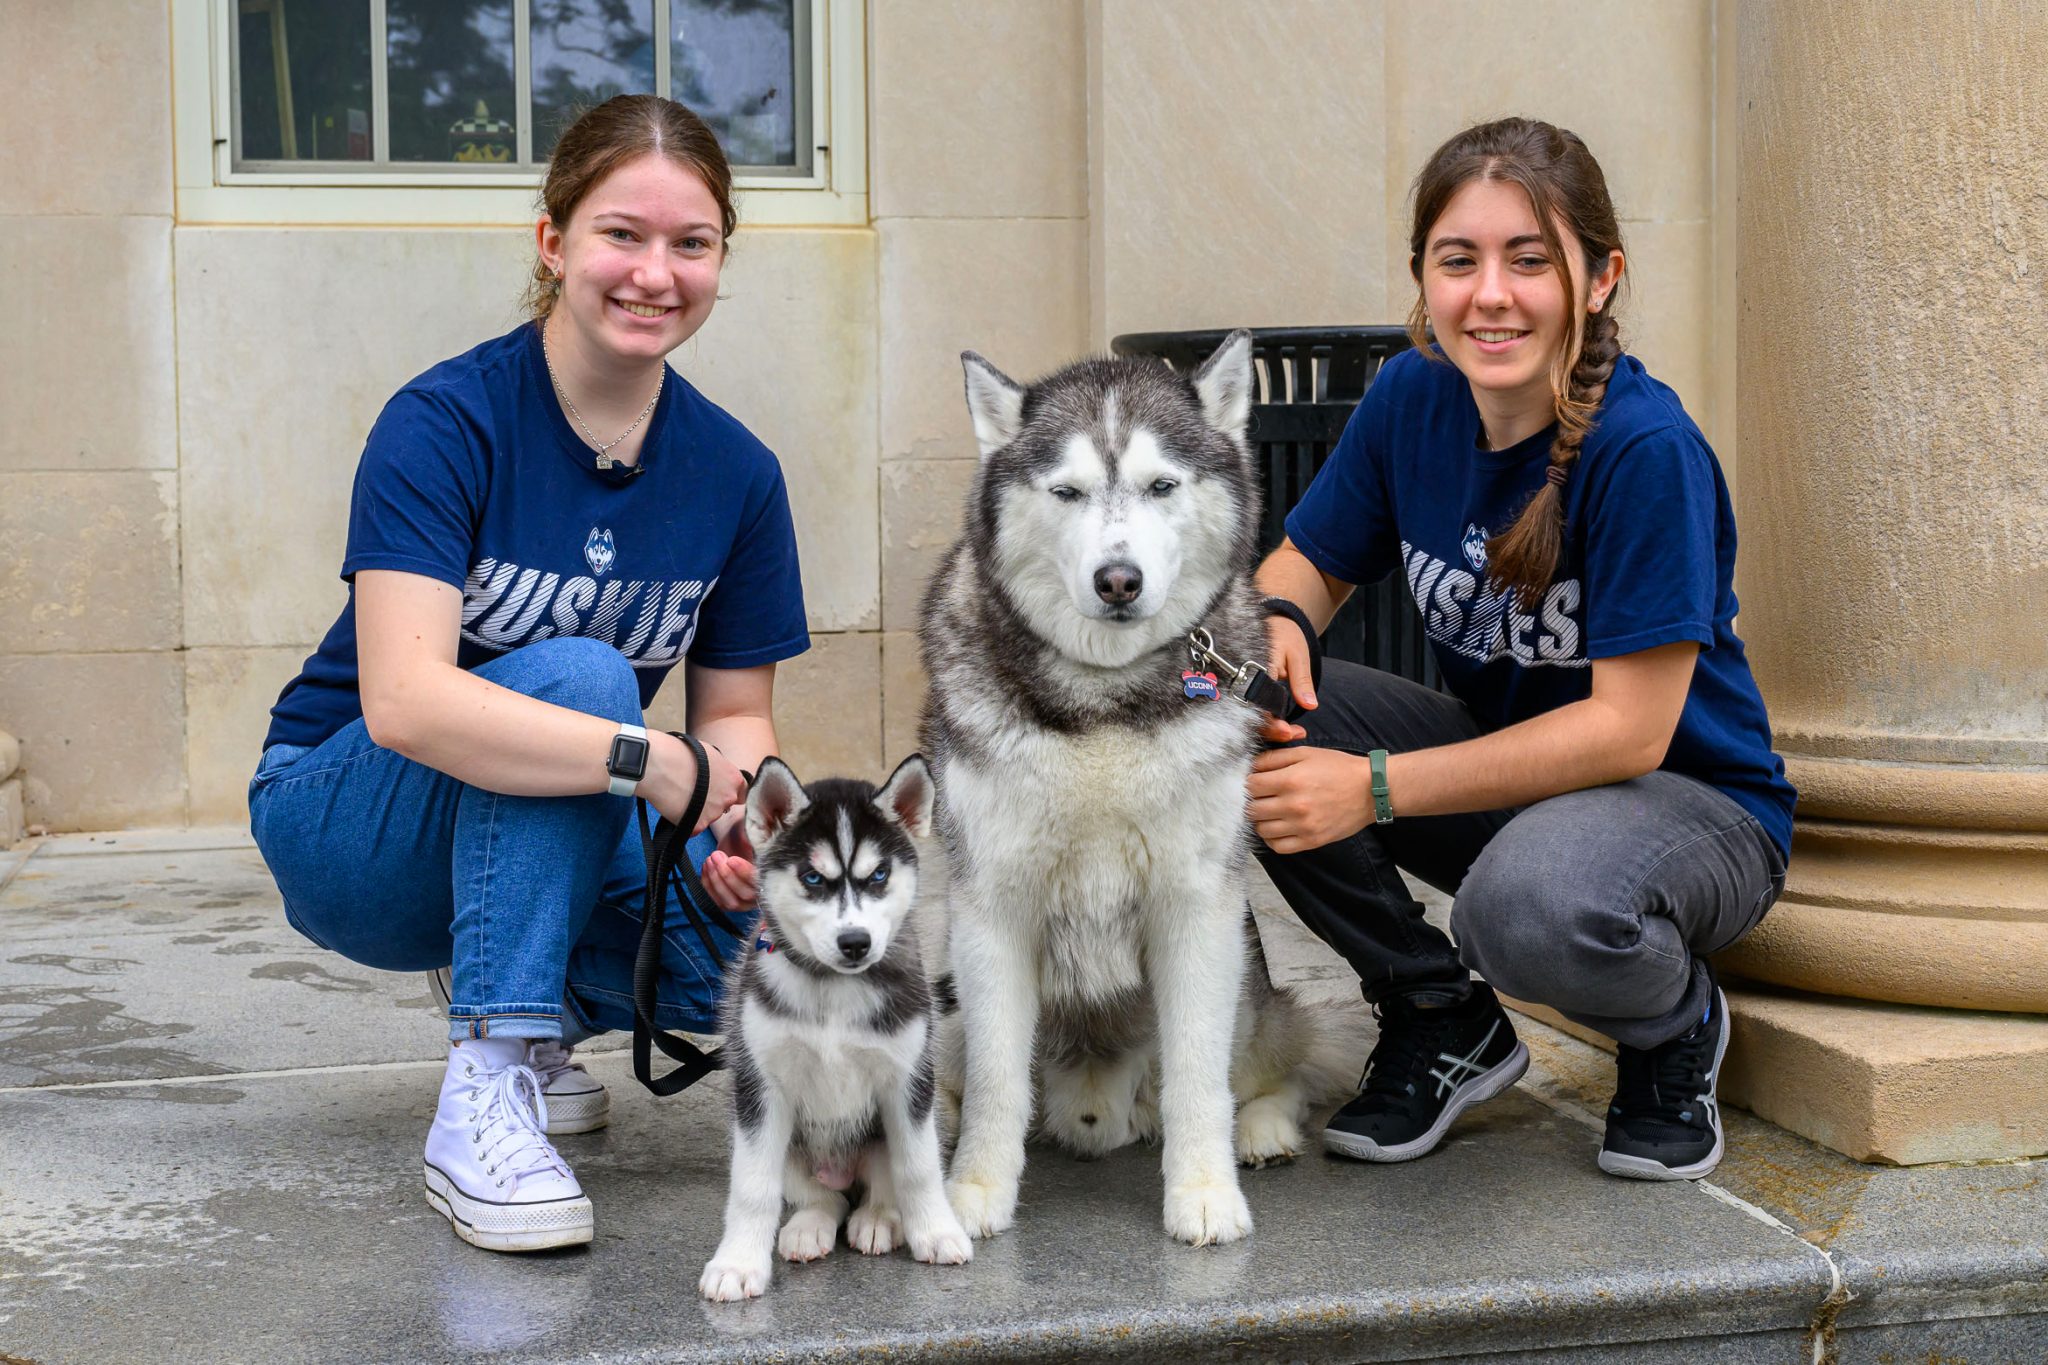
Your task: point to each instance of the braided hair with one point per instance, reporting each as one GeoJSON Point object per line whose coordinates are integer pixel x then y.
{"type": "Point", "coordinates": [1565, 187]}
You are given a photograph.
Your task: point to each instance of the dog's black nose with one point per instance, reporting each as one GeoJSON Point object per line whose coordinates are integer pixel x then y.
{"type": "Point", "coordinates": [854, 944]}
{"type": "Point", "coordinates": [1119, 584]}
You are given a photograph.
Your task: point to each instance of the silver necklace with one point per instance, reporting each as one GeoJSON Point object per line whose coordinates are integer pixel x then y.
{"type": "Point", "coordinates": [604, 448]}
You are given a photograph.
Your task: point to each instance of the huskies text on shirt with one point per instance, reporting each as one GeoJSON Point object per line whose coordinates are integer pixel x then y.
{"type": "Point", "coordinates": [1648, 559]}
{"type": "Point", "coordinates": [473, 476]}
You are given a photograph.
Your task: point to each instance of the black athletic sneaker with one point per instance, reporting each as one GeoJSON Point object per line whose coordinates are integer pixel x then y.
{"type": "Point", "coordinates": [1665, 1121]}
{"type": "Point", "coordinates": [1429, 1066]}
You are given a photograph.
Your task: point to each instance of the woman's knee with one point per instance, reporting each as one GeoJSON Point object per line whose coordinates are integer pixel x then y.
{"type": "Point", "coordinates": [572, 671]}
{"type": "Point", "coordinates": [1531, 933]}
{"type": "Point", "coordinates": [1565, 938]}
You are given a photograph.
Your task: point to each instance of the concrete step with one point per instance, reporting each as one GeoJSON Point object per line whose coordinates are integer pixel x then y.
{"type": "Point", "coordinates": [211, 1151]}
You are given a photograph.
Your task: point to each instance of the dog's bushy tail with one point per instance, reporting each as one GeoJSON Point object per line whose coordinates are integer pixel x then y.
{"type": "Point", "coordinates": [1342, 1034]}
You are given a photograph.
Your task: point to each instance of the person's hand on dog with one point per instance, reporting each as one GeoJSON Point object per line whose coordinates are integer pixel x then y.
{"type": "Point", "coordinates": [1288, 661]}
{"type": "Point", "coordinates": [1303, 798]}
{"type": "Point", "coordinates": [729, 874]}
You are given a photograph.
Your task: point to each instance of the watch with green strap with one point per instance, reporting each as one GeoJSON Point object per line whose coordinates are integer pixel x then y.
{"type": "Point", "coordinates": [1382, 804]}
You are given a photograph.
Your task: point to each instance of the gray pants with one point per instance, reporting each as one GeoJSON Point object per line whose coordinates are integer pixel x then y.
{"type": "Point", "coordinates": [1597, 903]}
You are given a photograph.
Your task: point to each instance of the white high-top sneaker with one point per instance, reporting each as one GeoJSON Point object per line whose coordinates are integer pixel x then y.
{"type": "Point", "coordinates": [577, 1100]}
{"type": "Point", "coordinates": [490, 1168]}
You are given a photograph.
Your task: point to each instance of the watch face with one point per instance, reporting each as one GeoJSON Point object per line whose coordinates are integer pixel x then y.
{"type": "Point", "coordinates": [628, 758]}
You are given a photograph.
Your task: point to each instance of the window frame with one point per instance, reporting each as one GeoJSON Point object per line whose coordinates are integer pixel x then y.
{"type": "Point", "coordinates": [210, 190]}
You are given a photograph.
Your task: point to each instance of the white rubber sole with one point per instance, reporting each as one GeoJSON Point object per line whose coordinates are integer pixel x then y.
{"type": "Point", "coordinates": [510, 1227]}
{"type": "Point", "coordinates": [1478, 1090]}
{"type": "Point", "coordinates": [583, 1112]}
{"type": "Point", "coordinates": [1646, 1168]}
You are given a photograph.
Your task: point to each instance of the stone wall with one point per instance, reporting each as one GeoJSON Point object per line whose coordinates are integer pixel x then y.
{"type": "Point", "coordinates": [187, 402]}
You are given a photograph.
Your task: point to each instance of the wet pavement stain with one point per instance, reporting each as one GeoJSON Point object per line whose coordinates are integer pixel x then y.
{"type": "Point", "coordinates": [198, 938]}
{"type": "Point", "coordinates": [242, 924]}
{"type": "Point", "coordinates": [307, 974]}
{"type": "Point", "coordinates": [82, 966]}
{"type": "Point", "coordinates": [245, 947]}
{"type": "Point", "coordinates": [164, 1094]}
{"type": "Point", "coordinates": [63, 1034]}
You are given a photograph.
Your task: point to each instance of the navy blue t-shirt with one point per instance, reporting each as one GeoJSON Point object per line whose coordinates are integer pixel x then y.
{"type": "Point", "coordinates": [1648, 559]}
{"type": "Point", "coordinates": [473, 476]}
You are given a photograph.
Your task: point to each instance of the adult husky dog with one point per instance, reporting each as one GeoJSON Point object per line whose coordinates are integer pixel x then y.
{"type": "Point", "coordinates": [1092, 808]}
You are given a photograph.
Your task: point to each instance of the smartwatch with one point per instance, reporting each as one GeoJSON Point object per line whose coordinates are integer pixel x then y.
{"type": "Point", "coordinates": [627, 762]}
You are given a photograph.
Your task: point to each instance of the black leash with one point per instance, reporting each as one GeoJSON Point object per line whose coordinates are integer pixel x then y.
{"type": "Point", "coordinates": [669, 869]}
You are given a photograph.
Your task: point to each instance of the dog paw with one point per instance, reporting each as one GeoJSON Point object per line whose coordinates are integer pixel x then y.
{"type": "Point", "coordinates": [943, 1244]}
{"type": "Point", "coordinates": [985, 1208]}
{"type": "Point", "coordinates": [1267, 1133]}
{"type": "Point", "coordinates": [730, 1279]}
{"type": "Point", "coordinates": [809, 1235]}
{"type": "Point", "coordinates": [1207, 1214]}
{"type": "Point", "coordinates": [873, 1231]}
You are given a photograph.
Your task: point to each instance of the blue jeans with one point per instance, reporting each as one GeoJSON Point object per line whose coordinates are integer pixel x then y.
{"type": "Point", "coordinates": [535, 900]}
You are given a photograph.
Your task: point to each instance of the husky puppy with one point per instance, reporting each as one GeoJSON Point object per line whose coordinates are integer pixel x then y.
{"type": "Point", "coordinates": [1092, 799]}
{"type": "Point", "coordinates": [828, 1034]}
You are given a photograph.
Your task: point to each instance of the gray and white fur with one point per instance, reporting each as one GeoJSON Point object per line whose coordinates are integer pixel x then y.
{"type": "Point", "coordinates": [1093, 814]}
{"type": "Point", "coordinates": [828, 1035]}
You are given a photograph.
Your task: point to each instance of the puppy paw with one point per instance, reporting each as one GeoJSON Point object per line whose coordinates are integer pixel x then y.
{"type": "Point", "coordinates": [985, 1207]}
{"type": "Point", "coordinates": [874, 1231]}
{"type": "Point", "coordinates": [1207, 1214]}
{"type": "Point", "coordinates": [1267, 1132]}
{"type": "Point", "coordinates": [941, 1244]}
{"type": "Point", "coordinates": [728, 1279]}
{"type": "Point", "coordinates": [809, 1235]}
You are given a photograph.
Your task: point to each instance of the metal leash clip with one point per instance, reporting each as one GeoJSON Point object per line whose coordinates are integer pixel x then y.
{"type": "Point", "coordinates": [1247, 681]}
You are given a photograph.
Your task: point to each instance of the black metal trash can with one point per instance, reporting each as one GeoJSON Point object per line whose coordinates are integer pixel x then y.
{"type": "Point", "coordinates": [1307, 380]}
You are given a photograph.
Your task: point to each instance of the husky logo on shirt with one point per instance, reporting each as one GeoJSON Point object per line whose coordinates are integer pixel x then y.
{"type": "Point", "coordinates": [651, 623]}
{"type": "Point", "coordinates": [598, 552]}
{"type": "Point", "coordinates": [1470, 617]}
{"type": "Point", "coordinates": [1475, 547]}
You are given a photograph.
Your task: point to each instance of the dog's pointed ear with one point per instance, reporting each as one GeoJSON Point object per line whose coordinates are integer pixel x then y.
{"type": "Point", "coordinates": [995, 401]}
{"type": "Point", "coordinates": [908, 795]}
{"type": "Point", "coordinates": [775, 799]}
{"type": "Point", "coordinates": [1224, 384]}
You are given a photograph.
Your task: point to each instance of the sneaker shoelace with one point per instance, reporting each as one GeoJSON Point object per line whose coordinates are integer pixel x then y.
{"type": "Point", "coordinates": [1662, 1086]}
{"type": "Point", "coordinates": [1409, 1042]}
{"type": "Point", "coordinates": [550, 1061]}
{"type": "Point", "coordinates": [510, 1126]}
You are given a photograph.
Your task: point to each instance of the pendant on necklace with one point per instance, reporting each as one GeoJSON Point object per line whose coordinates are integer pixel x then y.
{"type": "Point", "coordinates": [604, 461]}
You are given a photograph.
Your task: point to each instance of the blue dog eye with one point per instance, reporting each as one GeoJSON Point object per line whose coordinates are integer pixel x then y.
{"type": "Point", "coordinates": [879, 875]}
{"type": "Point", "coordinates": [810, 876]}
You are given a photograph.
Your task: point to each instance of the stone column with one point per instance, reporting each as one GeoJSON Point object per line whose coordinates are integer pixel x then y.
{"type": "Point", "coordinates": [1893, 424]}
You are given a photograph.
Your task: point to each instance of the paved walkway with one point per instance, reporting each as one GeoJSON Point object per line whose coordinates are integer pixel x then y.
{"type": "Point", "coordinates": [209, 1150]}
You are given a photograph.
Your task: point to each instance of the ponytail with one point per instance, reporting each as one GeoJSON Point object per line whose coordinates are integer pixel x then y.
{"type": "Point", "coordinates": [1523, 558]}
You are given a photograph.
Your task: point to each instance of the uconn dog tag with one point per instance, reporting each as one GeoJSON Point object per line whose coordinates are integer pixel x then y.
{"type": "Point", "coordinates": [1199, 686]}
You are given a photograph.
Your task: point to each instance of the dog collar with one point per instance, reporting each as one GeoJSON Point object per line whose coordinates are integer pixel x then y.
{"type": "Point", "coordinates": [764, 944]}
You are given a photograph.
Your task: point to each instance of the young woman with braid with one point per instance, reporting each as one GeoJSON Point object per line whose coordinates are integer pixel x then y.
{"type": "Point", "coordinates": [1598, 790]}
